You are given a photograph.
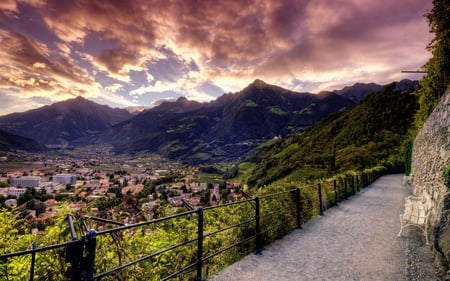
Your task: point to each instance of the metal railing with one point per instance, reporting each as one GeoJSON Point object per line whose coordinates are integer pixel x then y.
{"type": "Point", "coordinates": [200, 236]}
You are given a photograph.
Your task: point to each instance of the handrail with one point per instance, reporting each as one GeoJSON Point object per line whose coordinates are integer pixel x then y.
{"type": "Point", "coordinates": [128, 226]}
{"type": "Point", "coordinates": [275, 194]}
{"type": "Point", "coordinates": [141, 259]}
{"type": "Point", "coordinates": [104, 220]}
{"type": "Point", "coordinates": [38, 249]}
{"type": "Point", "coordinates": [228, 228]}
{"type": "Point", "coordinates": [259, 224]}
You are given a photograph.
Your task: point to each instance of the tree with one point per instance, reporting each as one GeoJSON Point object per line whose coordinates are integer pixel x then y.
{"type": "Point", "coordinates": [436, 81]}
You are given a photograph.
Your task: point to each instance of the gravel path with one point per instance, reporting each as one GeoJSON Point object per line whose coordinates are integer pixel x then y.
{"type": "Point", "coordinates": [357, 240]}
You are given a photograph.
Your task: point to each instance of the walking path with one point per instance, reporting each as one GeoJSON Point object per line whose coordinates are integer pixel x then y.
{"type": "Point", "coordinates": [356, 240]}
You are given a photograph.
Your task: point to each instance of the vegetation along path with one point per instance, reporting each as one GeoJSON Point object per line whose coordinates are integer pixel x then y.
{"type": "Point", "coordinates": [356, 240]}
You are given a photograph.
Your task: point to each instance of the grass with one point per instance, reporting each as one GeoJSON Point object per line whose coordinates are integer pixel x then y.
{"type": "Point", "coordinates": [288, 150]}
{"type": "Point", "coordinates": [207, 177]}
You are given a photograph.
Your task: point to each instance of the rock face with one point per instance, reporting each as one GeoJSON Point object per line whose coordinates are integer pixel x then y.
{"type": "Point", "coordinates": [431, 154]}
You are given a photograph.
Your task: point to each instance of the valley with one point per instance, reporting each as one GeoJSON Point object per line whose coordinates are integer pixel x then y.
{"type": "Point", "coordinates": [131, 167]}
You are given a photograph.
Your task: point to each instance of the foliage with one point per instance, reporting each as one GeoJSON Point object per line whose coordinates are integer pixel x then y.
{"type": "Point", "coordinates": [436, 81]}
{"type": "Point", "coordinates": [446, 176]}
{"type": "Point", "coordinates": [434, 84]}
{"type": "Point", "coordinates": [15, 235]}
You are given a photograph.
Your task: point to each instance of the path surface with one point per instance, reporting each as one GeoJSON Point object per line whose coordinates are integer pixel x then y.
{"type": "Point", "coordinates": [356, 240]}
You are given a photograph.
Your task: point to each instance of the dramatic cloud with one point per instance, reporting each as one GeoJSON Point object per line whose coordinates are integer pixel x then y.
{"type": "Point", "coordinates": [126, 53]}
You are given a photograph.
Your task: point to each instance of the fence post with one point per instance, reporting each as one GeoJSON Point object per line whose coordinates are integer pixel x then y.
{"type": "Point", "coordinates": [335, 193]}
{"type": "Point", "coordinates": [199, 243]}
{"type": "Point", "coordinates": [90, 243]}
{"type": "Point", "coordinates": [33, 260]}
{"type": "Point", "coordinates": [320, 199]}
{"type": "Point", "coordinates": [74, 256]}
{"type": "Point", "coordinates": [345, 188]}
{"type": "Point", "coordinates": [357, 183]}
{"type": "Point", "coordinates": [298, 205]}
{"type": "Point", "coordinates": [353, 185]}
{"type": "Point", "coordinates": [258, 227]}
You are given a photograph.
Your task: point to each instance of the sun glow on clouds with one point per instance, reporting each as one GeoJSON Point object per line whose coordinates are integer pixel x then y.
{"type": "Point", "coordinates": [123, 53]}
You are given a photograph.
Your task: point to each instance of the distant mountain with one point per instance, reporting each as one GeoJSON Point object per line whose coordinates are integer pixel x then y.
{"type": "Point", "coordinates": [360, 91]}
{"type": "Point", "coordinates": [405, 85]}
{"type": "Point", "coordinates": [368, 135]}
{"type": "Point", "coordinates": [10, 142]}
{"type": "Point", "coordinates": [223, 129]}
{"type": "Point", "coordinates": [135, 109]}
{"type": "Point", "coordinates": [63, 122]}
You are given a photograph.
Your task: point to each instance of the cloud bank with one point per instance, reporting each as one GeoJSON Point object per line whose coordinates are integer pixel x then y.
{"type": "Point", "coordinates": [135, 52]}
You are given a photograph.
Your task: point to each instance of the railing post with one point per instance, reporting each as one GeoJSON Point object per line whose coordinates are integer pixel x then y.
{"type": "Point", "coordinates": [257, 227]}
{"type": "Point", "coordinates": [335, 193]}
{"type": "Point", "coordinates": [298, 205]}
{"type": "Point", "coordinates": [357, 183]}
{"type": "Point", "coordinates": [74, 256]}
{"type": "Point", "coordinates": [320, 199]}
{"type": "Point", "coordinates": [353, 185]}
{"type": "Point", "coordinates": [71, 227]}
{"type": "Point", "coordinates": [199, 243]}
{"type": "Point", "coordinates": [90, 244]}
{"type": "Point", "coordinates": [345, 188]}
{"type": "Point", "coordinates": [33, 260]}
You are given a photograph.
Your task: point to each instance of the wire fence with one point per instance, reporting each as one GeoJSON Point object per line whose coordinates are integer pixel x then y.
{"type": "Point", "coordinates": [189, 245]}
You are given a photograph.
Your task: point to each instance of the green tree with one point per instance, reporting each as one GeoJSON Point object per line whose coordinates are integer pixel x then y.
{"type": "Point", "coordinates": [14, 236]}
{"type": "Point", "coordinates": [435, 82]}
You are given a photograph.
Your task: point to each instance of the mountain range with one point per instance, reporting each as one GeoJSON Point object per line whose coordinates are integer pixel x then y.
{"type": "Point", "coordinates": [224, 129]}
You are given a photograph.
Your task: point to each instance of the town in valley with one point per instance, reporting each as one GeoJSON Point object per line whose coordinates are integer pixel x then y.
{"type": "Point", "coordinates": [94, 182]}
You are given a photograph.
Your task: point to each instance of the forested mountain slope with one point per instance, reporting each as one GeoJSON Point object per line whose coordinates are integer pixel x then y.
{"type": "Point", "coordinates": [370, 134]}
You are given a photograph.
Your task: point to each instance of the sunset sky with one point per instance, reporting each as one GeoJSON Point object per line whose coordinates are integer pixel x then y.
{"type": "Point", "coordinates": [126, 53]}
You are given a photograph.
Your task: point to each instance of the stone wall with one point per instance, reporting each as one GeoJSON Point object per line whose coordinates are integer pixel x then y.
{"type": "Point", "coordinates": [431, 153]}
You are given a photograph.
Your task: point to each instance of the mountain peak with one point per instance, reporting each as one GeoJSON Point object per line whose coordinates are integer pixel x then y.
{"type": "Point", "coordinates": [258, 83]}
{"type": "Point", "coordinates": [77, 99]}
{"type": "Point", "coordinates": [69, 120]}
{"type": "Point", "coordinates": [182, 99]}
{"type": "Point", "coordinates": [181, 104]}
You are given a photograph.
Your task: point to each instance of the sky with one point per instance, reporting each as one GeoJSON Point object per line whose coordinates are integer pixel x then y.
{"type": "Point", "coordinates": [139, 52]}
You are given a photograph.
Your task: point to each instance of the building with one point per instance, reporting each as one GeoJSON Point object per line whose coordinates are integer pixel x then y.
{"type": "Point", "coordinates": [65, 179]}
{"type": "Point", "coordinates": [26, 181]}
{"type": "Point", "coordinates": [214, 196]}
{"type": "Point", "coordinates": [17, 192]}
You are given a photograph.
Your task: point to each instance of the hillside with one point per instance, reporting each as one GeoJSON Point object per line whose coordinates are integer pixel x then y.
{"type": "Point", "coordinates": [368, 135]}
{"type": "Point", "coordinates": [9, 142]}
{"type": "Point", "coordinates": [224, 129]}
{"type": "Point", "coordinates": [63, 122]}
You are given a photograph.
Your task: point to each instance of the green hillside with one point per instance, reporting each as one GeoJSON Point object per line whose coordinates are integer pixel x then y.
{"type": "Point", "coordinates": [371, 134]}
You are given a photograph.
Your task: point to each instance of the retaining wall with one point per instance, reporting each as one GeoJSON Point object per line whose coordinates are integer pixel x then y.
{"type": "Point", "coordinates": [431, 153]}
